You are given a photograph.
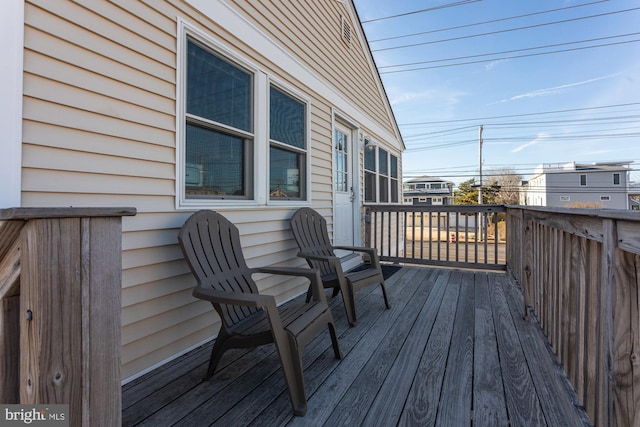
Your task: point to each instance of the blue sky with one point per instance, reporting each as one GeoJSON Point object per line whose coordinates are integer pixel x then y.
{"type": "Point", "coordinates": [579, 105]}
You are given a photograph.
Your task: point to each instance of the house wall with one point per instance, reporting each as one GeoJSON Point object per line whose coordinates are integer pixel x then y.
{"type": "Point", "coordinates": [99, 129]}
{"type": "Point", "coordinates": [599, 184]}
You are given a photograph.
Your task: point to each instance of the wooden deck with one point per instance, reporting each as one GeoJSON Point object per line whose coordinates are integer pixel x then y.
{"type": "Point", "coordinates": [453, 350]}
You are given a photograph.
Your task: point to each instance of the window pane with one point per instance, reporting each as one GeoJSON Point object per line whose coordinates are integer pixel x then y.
{"type": "Point", "coordinates": [384, 190]}
{"type": "Point", "coordinates": [370, 160]}
{"type": "Point", "coordinates": [285, 172]}
{"type": "Point", "coordinates": [286, 119]}
{"type": "Point", "coordinates": [394, 166]}
{"type": "Point", "coordinates": [218, 90]}
{"type": "Point", "coordinates": [383, 169]}
{"type": "Point", "coordinates": [394, 191]}
{"type": "Point", "coordinates": [369, 187]}
{"type": "Point", "coordinates": [616, 179]}
{"type": "Point", "coordinates": [214, 164]}
{"type": "Point", "coordinates": [583, 179]}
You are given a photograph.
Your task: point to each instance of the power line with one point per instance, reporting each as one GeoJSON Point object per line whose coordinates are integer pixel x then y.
{"type": "Point", "coordinates": [510, 57]}
{"type": "Point", "coordinates": [509, 51]}
{"type": "Point", "coordinates": [443, 6]}
{"type": "Point", "coordinates": [522, 115]}
{"type": "Point", "coordinates": [484, 22]}
{"type": "Point", "coordinates": [507, 30]}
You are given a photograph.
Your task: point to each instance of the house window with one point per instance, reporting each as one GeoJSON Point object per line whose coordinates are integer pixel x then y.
{"type": "Point", "coordinates": [236, 123]}
{"type": "Point", "coordinates": [616, 179]}
{"type": "Point", "coordinates": [383, 175]}
{"type": "Point", "coordinates": [381, 178]}
{"type": "Point", "coordinates": [394, 184]}
{"type": "Point", "coordinates": [583, 179]}
{"type": "Point", "coordinates": [219, 134]}
{"type": "Point", "coordinates": [565, 198]}
{"type": "Point", "coordinates": [605, 198]}
{"type": "Point", "coordinates": [287, 151]}
{"type": "Point", "coordinates": [370, 187]}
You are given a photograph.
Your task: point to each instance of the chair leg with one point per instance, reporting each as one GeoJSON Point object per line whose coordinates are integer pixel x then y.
{"type": "Point", "coordinates": [309, 294]}
{"type": "Point", "coordinates": [219, 347]}
{"type": "Point", "coordinates": [384, 294]}
{"type": "Point", "coordinates": [334, 340]}
{"type": "Point", "coordinates": [300, 405]}
{"type": "Point", "coordinates": [349, 303]}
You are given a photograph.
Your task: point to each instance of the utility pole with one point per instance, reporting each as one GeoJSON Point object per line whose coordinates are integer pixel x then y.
{"type": "Point", "coordinates": [480, 161]}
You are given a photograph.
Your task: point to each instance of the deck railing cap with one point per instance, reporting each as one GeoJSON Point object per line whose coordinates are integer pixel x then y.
{"type": "Point", "coordinates": [65, 212]}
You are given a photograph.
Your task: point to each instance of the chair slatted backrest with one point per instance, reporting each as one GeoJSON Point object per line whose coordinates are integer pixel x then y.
{"type": "Point", "coordinates": [310, 231]}
{"type": "Point", "coordinates": [211, 245]}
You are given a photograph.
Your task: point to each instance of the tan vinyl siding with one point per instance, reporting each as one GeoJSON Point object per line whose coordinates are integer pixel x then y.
{"type": "Point", "coordinates": [314, 35]}
{"type": "Point", "coordinates": [100, 130]}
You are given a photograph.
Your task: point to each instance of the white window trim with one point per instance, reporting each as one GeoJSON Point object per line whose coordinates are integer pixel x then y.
{"type": "Point", "coordinates": [261, 142]}
{"type": "Point", "coordinates": [11, 76]}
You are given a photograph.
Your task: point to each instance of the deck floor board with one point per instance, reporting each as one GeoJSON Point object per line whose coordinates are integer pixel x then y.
{"type": "Point", "coordinates": [452, 350]}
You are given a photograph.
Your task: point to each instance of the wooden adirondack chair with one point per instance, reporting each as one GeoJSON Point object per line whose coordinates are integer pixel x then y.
{"type": "Point", "coordinates": [310, 231]}
{"type": "Point", "coordinates": [211, 245]}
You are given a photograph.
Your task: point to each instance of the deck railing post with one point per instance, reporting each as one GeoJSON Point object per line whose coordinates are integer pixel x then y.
{"type": "Point", "coordinates": [69, 310]}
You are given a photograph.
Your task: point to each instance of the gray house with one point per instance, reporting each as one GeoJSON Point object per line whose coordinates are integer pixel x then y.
{"type": "Point", "coordinates": [603, 185]}
{"type": "Point", "coordinates": [428, 190]}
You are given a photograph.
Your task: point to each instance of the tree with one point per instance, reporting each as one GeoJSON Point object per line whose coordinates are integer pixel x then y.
{"type": "Point", "coordinates": [467, 193]}
{"type": "Point", "coordinates": [509, 183]}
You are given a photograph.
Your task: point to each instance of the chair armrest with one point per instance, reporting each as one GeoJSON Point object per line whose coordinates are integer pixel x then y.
{"type": "Point", "coordinates": [356, 249]}
{"type": "Point", "coordinates": [233, 298]}
{"type": "Point", "coordinates": [373, 254]}
{"type": "Point", "coordinates": [315, 257]}
{"type": "Point", "coordinates": [312, 274]}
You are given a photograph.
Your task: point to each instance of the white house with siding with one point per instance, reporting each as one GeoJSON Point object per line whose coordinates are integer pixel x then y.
{"type": "Point", "coordinates": [253, 108]}
{"type": "Point", "coordinates": [574, 184]}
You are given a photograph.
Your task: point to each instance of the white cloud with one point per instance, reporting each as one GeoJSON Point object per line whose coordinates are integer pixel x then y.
{"type": "Point", "coordinates": [539, 138]}
{"type": "Point", "coordinates": [493, 64]}
{"type": "Point", "coordinates": [555, 90]}
{"type": "Point", "coordinates": [410, 96]}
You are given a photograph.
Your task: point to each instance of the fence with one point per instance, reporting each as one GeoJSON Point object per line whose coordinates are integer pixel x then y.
{"type": "Point", "coordinates": [468, 236]}
{"type": "Point", "coordinates": [579, 270]}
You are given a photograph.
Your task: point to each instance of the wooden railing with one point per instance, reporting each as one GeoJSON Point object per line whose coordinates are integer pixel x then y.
{"type": "Point", "coordinates": [468, 236]}
{"type": "Point", "coordinates": [60, 284]}
{"type": "Point", "coordinates": [580, 272]}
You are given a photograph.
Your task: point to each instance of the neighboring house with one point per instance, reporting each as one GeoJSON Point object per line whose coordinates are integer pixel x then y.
{"type": "Point", "coordinates": [574, 184]}
{"type": "Point", "coordinates": [427, 191]}
{"type": "Point", "coordinates": [250, 108]}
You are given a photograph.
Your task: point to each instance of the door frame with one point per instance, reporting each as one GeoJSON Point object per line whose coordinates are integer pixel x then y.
{"type": "Point", "coordinates": [354, 133]}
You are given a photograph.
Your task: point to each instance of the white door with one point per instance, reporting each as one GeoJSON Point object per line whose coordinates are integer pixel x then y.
{"type": "Point", "coordinates": [344, 196]}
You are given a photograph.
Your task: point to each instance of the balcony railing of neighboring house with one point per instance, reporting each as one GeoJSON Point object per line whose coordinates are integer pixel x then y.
{"type": "Point", "coordinates": [580, 273]}
{"type": "Point", "coordinates": [468, 236]}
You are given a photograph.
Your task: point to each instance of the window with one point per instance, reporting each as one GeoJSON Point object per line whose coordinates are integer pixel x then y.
{"type": "Point", "coordinates": [616, 179]}
{"type": "Point", "coordinates": [394, 184]}
{"type": "Point", "coordinates": [583, 179]}
{"type": "Point", "coordinates": [287, 151]}
{"type": "Point", "coordinates": [420, 186]}
{"type": "Point", "coordinates": [381, 178]}
{"type": "Point", "coordinates": [383, 175]}
{"type": "Point", "coordinates": [237, 123]}
{"type": "Point", "coordinates": [436, 186]}
{"type": "Point", "coordinates": [219, 127]}
{"type": "Point", "coordinates": [605, 198]}
{"type": "Point", "coordinates": [370, 187]}
{"type": "Point", "coordinates": [565, 198]}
